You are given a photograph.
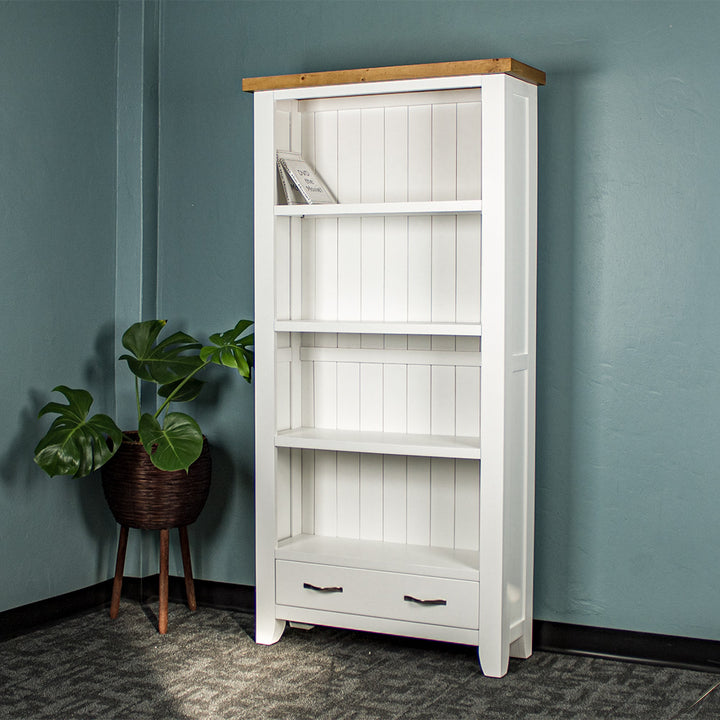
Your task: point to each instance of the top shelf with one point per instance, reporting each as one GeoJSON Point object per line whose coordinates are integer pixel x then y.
{"type": "Point", "coordinates": [436, 207]}
{"type": "Point", "coordinates": [492, 66]}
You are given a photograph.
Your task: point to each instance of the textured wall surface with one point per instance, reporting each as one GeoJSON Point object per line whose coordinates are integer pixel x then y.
{"type": "Point", "coordinates": [628, 326]}
{"type": "Point", "coordinates": [57, 281]}
{"type": "Point", "coordinates": [628, 297]}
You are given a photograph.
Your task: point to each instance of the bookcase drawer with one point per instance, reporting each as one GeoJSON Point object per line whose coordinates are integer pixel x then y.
{"type": "Point", "coordinates": [412, 598]}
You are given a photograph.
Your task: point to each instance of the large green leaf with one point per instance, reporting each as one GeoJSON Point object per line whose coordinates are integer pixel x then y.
{"type": "Point", "coordinates": [75, 444]}
{"type": "Point", "coordinates": [163, 362]}
{"type": "Point", "coordinates": [231, 350]}
{"type": "Point", "coordinates": [185, 390]}
{"type": "Point", "coordinates": [175, 445]}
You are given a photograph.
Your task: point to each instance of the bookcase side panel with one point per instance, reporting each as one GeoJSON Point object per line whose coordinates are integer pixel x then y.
{"type": "Point", "coordinates": [522, 262]}
{"type": "Point", "coordinates": [268, 628]}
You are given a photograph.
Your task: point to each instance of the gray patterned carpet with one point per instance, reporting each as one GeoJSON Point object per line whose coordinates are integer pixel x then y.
{"type": "Point", "coordinates": [208, 667]}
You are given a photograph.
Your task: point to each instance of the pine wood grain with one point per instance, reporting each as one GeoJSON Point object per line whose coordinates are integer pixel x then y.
{"type": "Point", "coordinates": [493, 66]}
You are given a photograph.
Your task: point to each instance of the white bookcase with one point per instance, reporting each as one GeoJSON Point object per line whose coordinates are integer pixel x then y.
{"type": "Point", "coordinates": [395, 355]}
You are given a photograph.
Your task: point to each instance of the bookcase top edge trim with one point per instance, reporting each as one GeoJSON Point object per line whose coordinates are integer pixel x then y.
{"type": "Point", "coordinates": [494, 66]}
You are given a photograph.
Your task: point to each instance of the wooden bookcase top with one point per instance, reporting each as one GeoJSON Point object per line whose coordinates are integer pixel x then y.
{"type": "Point", "coordinates": [493, 66]}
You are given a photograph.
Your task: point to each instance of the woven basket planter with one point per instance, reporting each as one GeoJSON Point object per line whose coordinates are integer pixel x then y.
{"type": "Point", "coordinates": [142, 496]}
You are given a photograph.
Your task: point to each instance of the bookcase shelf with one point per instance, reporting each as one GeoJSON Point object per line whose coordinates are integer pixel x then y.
{"type": "Point", "coordinates": [442, 207]}
{"type": "Point", "coordinates": [395, 355]}
{"type": "Point", "coordinates": [380, 556]}
{"type": "Point", "coordinates": [384, 443]}
{"type": "Point", "coordinates": [359, 327]}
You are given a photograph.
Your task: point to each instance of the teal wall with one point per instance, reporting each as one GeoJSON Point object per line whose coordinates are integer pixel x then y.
{"type": "Point", "coordinates": [628, 331]}
{"type": "Point", "coordinates": [57, 280]}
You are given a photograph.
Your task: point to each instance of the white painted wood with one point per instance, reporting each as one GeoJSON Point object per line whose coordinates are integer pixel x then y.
{"type": "Point", "coordinates": [268, 627]}
{"type": "Point", "coordinates": [375, 403]}
{"type": "Point", "coordinates": [348, 495]}
{"type": "Point", "coordinates": [444, 633]}
{"type": "Point", "coordinates": [450, 207]}
{"type": "Point", "coordinates": [378, 594]}
{"type": "Point", "coordinates": [378, 327]}
{"type": "Point", "coordinates": [416, 559]}
{"type": "Point", "coordinates": [468, 360]}
{"type": "Point", "coordinates": [366, 441]}
{"type": "Point", "coordinates": [428, 98]}
{"type": "Point", "coordinates": [418, 498]}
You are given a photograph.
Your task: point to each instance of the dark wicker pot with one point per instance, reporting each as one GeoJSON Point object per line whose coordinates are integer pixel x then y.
{"type": "Point", "coordinates": [141, 496]}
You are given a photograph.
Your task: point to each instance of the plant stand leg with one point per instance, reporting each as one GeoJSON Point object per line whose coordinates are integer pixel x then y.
{"type": "Point", "coordinates": [119, 568]}
{"type": "Point", "coordinates": [163, 589]}
{"type": "Point", "coordinates": [187, 568]}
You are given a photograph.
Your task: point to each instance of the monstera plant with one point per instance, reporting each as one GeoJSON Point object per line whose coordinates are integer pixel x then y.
{"type": "Point", "coordinates": [76, 444]}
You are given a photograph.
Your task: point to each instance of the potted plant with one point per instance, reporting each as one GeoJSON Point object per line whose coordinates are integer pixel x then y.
{"type": "Point", "coordinates": [158, 476]}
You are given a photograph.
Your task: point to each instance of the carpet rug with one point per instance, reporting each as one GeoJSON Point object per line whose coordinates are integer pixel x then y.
{"type": "Point", "coordinates": [208, 667]}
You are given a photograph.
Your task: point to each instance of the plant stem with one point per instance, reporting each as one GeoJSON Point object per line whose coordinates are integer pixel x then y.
{"type": "Point", "coordinates": [137, 397]}
{"type": "Point", "coordinates": [169, 398]}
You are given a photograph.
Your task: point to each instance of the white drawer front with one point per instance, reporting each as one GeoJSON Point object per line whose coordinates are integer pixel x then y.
{"type": "Point", "coordinates": [412, 598]}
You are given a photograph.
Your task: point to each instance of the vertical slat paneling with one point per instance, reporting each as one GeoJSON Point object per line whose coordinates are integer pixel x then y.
{"type": "Point", "coordinates": [282, 269]}
{"type": "Point", "coordinates": [307, 379]}
{"type": "Point", "coordinates": [283, 486]}
{"type": "Point", "coordinates": [419, 269]}
{"type": "Point", "coordinates": [325, 486]}
{"type": "Point", "coordinates": [372, 181]}
{"type": "Point", "coordinates": [395, 398]}
{"type": "Point", "coordinates": [443, 400]}
{"type": "Point", "coordinates": [349, 268]}
{"type": "Point", "coordinates": [349, 154]}
{"type": "Point", "coordinates": [372, 159]}
{"type": "Point", "coordinates": [418, 399]}
{"type": "Point", "coordinates": [325, 160]}
{"type": "Point", "coordinates": [326, 269]}
{"type": "Point", "coordinates": [444, 149]}
{"type": "Point", "coordinates": [348, 396]}
{"type": "Point", "coordinates": [396, 154]}
{"type": "Point", "coordinates": [308, 265]}
{"type": "Point", "coordinates": [468, 263]}
{"type": "Point", "coordinates": [308, 491]}
{"type": "Point", "coordinates": [371, 497]}
{"type": "Point", "coordinates": [442, 502]}
{"type": "Point", "coordinates": [282, 129]}
{"type": "Point", "coordinates": [443, 269]}
{"type": "Point", "coordinates": [296, 492]}
{"type": "Point", "coordinates": [467, 401]}
{"type": "Point", "coordinates": [467, 504]}
{"type": "Point", "coordinates": [469, 142]}
{"type": "Point", "coordinates": [372, 264]}
{"type": "Point", "coordinates": [371, 386]}
{"type": "Point", "coordinates": [419, 153]}
{"type": "Point", "coordinates": [282, 398]}
{"type": "Point", "coordinates": [348, 495]}
{"type": "Point", "coordinates": [418, 500]}
{"type": "Point", "coordinates": [394, 498]}
{"type": "Point", "coordinates": [419, 228]}
{"type": "Point", "coordinates": [396, 270]}
{"type": "Point", "coordinates": [325, 394]}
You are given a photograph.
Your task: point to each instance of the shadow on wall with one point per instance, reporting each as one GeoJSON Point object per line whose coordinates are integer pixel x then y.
{"type": "Point", "coordinates": [18, 469]}
{"type": "Point", "coordinates": [559, 226]}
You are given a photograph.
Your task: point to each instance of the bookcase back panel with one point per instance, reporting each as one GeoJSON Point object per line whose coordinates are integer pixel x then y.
{"type": "Point", "coordinates": [392, 148]}
{"type": "Point", "coordinates": [390, 383]}
{"type": "Point", "coordinates": [421, 501]}
{"type": "Point", "coordinates": [393, 269]}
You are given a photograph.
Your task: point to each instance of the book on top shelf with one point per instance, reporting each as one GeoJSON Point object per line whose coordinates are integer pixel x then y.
{"type": "Point", "coordinates": [297, 176]}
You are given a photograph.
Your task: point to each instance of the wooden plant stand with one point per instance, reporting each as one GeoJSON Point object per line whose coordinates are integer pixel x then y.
{"type": "Point", "coordinates": [163, 584]}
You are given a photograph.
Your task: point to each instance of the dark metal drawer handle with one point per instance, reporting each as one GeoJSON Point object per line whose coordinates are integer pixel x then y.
{"type": "Point", "coordinates": [308, 586]}
{"type": "Point", "coordinates": [410, 598]}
